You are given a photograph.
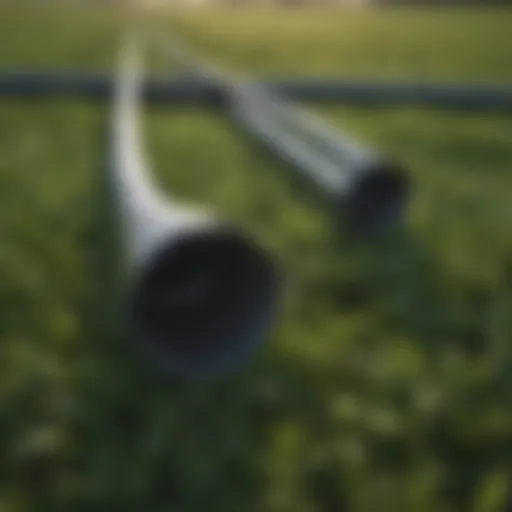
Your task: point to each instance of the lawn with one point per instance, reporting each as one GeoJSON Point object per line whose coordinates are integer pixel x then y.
{"type": "Point", "coordinates": [387, 382]}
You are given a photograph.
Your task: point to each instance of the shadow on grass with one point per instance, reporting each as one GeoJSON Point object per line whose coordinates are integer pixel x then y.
{"type": "Point", "coordinates": [395, 272]}
{"type": "Point", "coordinates": [407, 294]}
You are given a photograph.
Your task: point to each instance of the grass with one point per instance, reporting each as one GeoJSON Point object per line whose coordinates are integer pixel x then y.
{"type": "Point", "coordinates": [387, 381]}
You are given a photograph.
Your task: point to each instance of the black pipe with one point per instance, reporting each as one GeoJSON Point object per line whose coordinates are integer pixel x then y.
{"type": "Point", "coordinates": [97, 86]}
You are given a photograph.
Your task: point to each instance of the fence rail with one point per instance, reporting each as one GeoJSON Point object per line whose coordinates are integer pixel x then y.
{"type": "Point", "coordinates": [98, 86]}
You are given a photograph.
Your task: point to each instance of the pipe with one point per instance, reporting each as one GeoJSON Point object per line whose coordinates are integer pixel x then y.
{"type": "Point", "coordinates": [371, 190]}
{"type": "Point", "coordinates": [202, 295]}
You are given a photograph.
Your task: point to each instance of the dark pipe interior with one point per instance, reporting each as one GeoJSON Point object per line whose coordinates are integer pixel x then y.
{"type": "Point", "coordinates": [378, 200]}
{"type": "Point", "coordinates": [205, 301]}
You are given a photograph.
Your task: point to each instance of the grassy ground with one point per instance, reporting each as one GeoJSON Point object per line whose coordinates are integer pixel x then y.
{"type": "Point", "coordinates": [387, 381]}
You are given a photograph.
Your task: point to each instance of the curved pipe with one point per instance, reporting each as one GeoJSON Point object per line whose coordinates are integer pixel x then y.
{"type": "Point", "coordinates": [202, 295]}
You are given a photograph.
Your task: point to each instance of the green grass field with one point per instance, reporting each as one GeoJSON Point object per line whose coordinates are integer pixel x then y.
{"type": "Point", "coordinates": [387, 384]}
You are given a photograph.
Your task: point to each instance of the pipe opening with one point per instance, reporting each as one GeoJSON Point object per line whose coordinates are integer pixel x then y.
{"type": "Point", "coordinates": [205, 301]}
{"type": "Point", "coordinates": [378, 201]}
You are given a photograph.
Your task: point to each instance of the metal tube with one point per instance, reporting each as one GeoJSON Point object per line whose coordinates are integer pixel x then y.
{"type": "Point", "coordinates": [371, 190]}
{"type": "Point", "coordinates": [202, 295]}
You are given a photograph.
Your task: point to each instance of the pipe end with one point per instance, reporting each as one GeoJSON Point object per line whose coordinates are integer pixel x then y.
{"type": "Point", "coordinates": [204, 302]}
{"type": "Point", "coordinates": [378, 201]}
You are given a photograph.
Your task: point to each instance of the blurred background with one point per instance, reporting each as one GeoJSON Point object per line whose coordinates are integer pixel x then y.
{"type": "Point", "coordinates": [387, 384]}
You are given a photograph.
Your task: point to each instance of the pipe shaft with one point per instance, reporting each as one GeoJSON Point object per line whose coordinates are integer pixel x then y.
{"type": "Point", "coordinates": [148, 217]}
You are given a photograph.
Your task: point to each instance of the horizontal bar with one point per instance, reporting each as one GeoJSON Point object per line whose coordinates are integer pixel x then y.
{"type": "Point", "coordinates": [98, 86]}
